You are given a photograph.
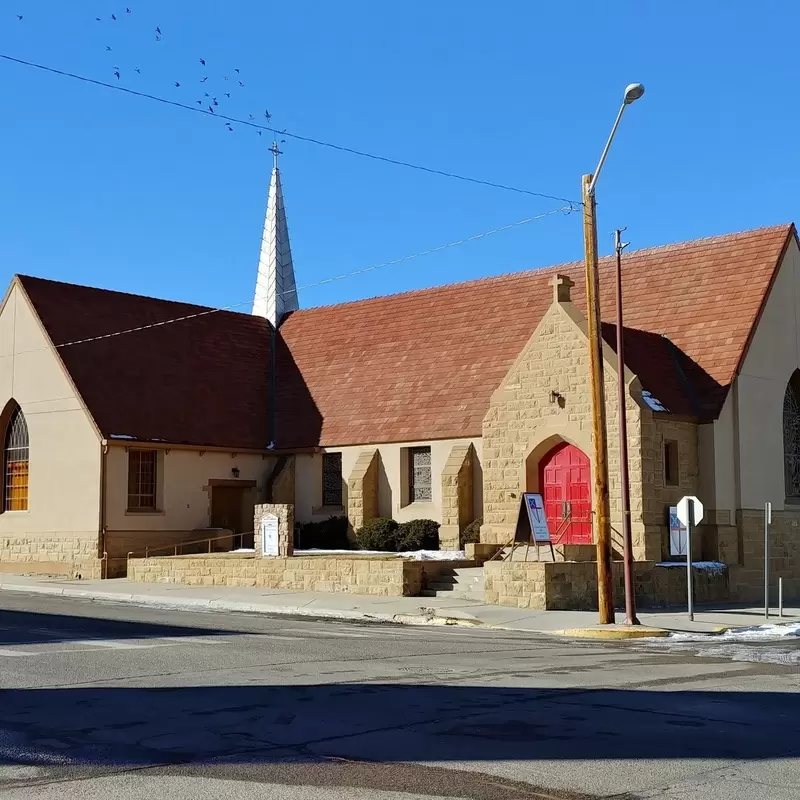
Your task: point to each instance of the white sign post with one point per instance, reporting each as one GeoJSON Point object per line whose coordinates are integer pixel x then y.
{"type": "Point", "coordinates": [767, 523]}
{"type": "Point", "coordinates": [690, 513]}
{"type": "Point", "coordinates": [269, 535]}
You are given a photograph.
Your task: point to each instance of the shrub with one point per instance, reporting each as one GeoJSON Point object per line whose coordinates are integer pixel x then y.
{"type": "Point", "coordinates": [329, 534]}
{"type": "Point", "coordinates": [472, 533]}
{"type": "Point", "coordinates": [380, 533]}
{"type": "Point", "coordinates": [418, 534]}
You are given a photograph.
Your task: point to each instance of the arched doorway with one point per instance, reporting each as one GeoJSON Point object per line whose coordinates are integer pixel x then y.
{"type": "Point", "coordinates": [564, 481]}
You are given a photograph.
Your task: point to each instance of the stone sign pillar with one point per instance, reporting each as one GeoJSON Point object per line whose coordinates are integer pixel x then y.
{"type": "Point", "coordinates": [273, 530]}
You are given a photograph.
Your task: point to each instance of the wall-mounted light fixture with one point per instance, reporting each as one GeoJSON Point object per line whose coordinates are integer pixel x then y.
{"type": "Point", "coordinates": [235, 472]}
{"type": "Point", "coordinates": [557, 397]}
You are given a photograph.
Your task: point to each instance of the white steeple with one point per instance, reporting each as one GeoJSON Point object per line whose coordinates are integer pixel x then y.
{"type": "Point", "coordinates": [276, 291]}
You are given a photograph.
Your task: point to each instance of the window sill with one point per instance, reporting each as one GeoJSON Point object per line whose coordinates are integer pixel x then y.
{"type": "Point", "coordinates": [28, 511]}
{"type": "Point", "coordinates": [423, 505]}
{"type": "Point", "coordinates": [143, 512]}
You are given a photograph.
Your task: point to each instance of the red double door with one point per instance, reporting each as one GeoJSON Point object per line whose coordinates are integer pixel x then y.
{"type": "Point", "coordinates": [564, 481]}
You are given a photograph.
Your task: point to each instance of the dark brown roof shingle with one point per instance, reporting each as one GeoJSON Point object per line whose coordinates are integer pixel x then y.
{"type": "Point", "coordinates": [414, 366]}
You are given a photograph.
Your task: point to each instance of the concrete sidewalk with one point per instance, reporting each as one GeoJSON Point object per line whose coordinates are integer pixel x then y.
{"type": "Point", "coordinates": [404, 610]}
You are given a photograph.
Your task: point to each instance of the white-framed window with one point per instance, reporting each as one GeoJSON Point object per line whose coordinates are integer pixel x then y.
{"type": "Point", "coordinates": [142, 480]}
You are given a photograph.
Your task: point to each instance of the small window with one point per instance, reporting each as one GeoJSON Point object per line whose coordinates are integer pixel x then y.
{"type": "Point", "coordinates": [15, 465]}
{"type": "Point", "coordinates": [419, 475]}
{"type": "Point", "coordinates": [332, 479]}
{"type": "Point", "coordinates": [142, 480]}
{"type": "Point", "coordinates": [671, 469]}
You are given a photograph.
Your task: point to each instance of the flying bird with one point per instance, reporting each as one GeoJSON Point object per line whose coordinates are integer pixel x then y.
{"type": "Point", "coordinates": [116, 74]}
{"type": "Point", "coordinates": [203, 61]}
{"type": "Point", "coordinates": [229, 126]}
{"type": "Point", "coordinates": [236, 70]}
{"type": "Point", "coordinates": [268, 115]}
{"type": "Point", "coordinates": [177, 85]}
{"type": "Point", "coordinates": [137, 69]}
{"type": "Point", "coordinates": [227, 94]}
{"type": "Point", "coordinates": [259, 133]}
{"type": "Point", "coordinates": [97, 19]}
{"type": "Point", "coordinates": [203, 80]}
{"type": "Point", "coordinates": [241, 83]}
{"type": "Point", "coordinates": [225, 77]}
{"type": "Point", "coordinates": [158, 31]}
{"type": "Point", "coordinates": [199, 102]}
{"type": "Point", "coordinates": [159, 38]}
{"type": "Point", "coordinates": [211, 109]}
{"type": "Point", "coordinates": [108, 48]}
{"type": "Point", "coordinates": [19, 16]}
{"type": "Point", "coordinates": [252, 117]}
{"type": "Point", "coordinates": [114, 17]}
{"type": "Point", "coordinates": [127, 11]}
{"type": "Point", "coordinates": [214, 101]}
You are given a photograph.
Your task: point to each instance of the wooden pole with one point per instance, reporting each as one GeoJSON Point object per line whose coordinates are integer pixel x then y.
{"type": "Point", "coordinates": [627, 539]}
{"type": "Point", "coordinates": [605, 588]}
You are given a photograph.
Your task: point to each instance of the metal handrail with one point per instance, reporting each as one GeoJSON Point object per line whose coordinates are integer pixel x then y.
{"type": "Point", "coordinates": [149, 550]}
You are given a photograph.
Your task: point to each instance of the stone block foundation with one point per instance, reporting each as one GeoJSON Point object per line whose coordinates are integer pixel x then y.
{"type": "Point", "coordinates": [72, 555]}
{"type": "Point", "coordinates": [572, 586]}
{"type": "Point", "coordinates": [390, 577]}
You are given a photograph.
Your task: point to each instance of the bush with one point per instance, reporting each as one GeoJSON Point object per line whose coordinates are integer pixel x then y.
{"type": "Point", "coordinates": [418, 534]}
{"type": "Point", "coordinates": [380, 533]}
{"type": "Point", "coordinates": [329, 534]}
{"type": "Point", "coordinates": [472, 533]}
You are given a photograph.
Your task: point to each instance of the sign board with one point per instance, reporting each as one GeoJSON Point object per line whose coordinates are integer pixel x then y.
{"type": "Point", "coordinates": [269, 535]}
{"type": "Point", "coordinates": [532, 522]}
{"type": "Point", "coordinates": [677, 533]}
{"type": "Point", "coordinates": [683, 510]}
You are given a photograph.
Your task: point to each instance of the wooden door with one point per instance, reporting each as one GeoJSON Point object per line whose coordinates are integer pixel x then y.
{"type": "Point", "coordinates": [565, 478]}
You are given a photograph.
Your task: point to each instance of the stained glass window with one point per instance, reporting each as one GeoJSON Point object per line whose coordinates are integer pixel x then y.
{"type": "Point", "coordinates": [331, 479]}
{"type": "Point", "coordinates": [791, 442]}
{"type": "Point", "coordinates": [15, 466]}
{"type": "Point", "coordinates": [419, 477]}
{"type": "Point", "coordinates": [142, 480]}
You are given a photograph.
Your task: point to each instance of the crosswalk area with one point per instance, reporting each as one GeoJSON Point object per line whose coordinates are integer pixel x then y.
{"type": "Point", "coordinates": [38, 642]}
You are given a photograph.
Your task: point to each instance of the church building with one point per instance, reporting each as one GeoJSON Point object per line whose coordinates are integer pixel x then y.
{"type": "Point", "coordinates": [131, 422]}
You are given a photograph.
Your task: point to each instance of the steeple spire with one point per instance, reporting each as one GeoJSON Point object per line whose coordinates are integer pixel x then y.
{"type": "Point", "coordinates": [276, 291]}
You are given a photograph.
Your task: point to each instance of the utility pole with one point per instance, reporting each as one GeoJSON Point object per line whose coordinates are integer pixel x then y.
{"type": "Point", "coordinates": [627, 539]}
{"type": "Point", "coordinates": [605, 586]}
{"type": "Point", "coordinates": [602, 516]}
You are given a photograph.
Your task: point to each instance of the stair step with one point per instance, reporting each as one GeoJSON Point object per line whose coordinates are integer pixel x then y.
{"type": "Point", "coordinates": [453, 595]}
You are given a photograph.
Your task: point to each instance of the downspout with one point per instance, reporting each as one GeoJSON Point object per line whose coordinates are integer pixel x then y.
{"type": "Point", "coordinates": [102, 525]}
{"type": "Point", "coordinates": [272, 385]}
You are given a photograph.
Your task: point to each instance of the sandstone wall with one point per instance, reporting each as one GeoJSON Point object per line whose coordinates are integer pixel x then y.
{"type": "Point", "coordinates": [389, 577]}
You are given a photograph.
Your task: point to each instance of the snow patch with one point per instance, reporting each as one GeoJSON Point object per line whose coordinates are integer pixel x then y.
{"type": "Point", "coordinates": [714, 567]}
{"type": "Point", "coordinates": [654, 403]}
{"type": "Point", "coordinates": [414, 555]}
{"type": "Point", "coordinates": [121, 436]}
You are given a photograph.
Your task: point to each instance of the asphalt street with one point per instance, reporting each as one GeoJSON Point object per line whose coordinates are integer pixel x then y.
{"type": "Point", "coordinates": [106, 701]}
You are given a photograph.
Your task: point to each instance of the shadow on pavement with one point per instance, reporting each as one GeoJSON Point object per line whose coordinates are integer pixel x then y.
{"type": "Point", "coordinates": [27, 627]}
{"type": "Point", "coordinates": [390, 723]}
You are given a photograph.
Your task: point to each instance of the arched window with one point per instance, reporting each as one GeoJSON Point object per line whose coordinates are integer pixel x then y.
{"type": "Point", "coordinates": [791, 437]}
{"type": "Point", "coordinates": [15, 464]}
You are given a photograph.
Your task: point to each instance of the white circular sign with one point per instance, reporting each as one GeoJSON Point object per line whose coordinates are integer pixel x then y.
{"type": "Point", "coordinates": [683, 510]}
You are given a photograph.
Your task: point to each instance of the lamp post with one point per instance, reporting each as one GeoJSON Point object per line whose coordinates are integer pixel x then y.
{"type": "Point", "coordinates": [605, 588]}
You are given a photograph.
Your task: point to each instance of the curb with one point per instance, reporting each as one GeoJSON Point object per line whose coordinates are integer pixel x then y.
{"type": "Point", "coordinates": [200, 604]}
{"type": "Point", "coordinates": [638, 632]}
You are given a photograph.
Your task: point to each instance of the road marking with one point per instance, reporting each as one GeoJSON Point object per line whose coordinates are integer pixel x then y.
{"type": "Point", "coordinates": [111, 644]}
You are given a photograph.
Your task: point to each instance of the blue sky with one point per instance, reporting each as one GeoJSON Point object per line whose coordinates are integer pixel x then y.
{"type": "Point", "coordinates": [106, 189]}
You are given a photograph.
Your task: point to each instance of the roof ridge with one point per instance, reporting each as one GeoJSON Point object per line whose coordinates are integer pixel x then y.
{"type": "Point", "coordinates": [675, 246]}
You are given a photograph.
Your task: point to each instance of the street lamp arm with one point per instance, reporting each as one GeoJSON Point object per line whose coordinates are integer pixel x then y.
{"type": "Point", "coordinates": [596, 175]}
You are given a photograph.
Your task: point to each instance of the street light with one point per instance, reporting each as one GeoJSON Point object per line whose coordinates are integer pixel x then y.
{"type": "Point", "coordinates": [605, 588]}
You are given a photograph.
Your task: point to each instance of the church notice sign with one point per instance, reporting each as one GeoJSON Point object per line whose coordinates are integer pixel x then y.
{"type": "Point", "coordinates": [269, 535]}
{"type": "Point", "coordinates": [532, 522]}
{"type": "Point", "coordinates": [677, 534]}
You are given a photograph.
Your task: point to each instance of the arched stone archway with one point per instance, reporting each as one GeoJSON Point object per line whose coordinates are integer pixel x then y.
{"type": "Point", "coordinates": [560, 471]}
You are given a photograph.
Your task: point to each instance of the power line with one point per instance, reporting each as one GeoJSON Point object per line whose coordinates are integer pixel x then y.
{"type": "Point", "coordinates": [297, 136]}
{"type": "Point", "coordinates": [206, 312]}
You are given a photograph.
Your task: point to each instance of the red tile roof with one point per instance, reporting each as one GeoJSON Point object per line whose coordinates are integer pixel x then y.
{"type": "Point", "coordinates": [414, 366]}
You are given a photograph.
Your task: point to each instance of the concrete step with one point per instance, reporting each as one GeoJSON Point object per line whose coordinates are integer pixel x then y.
{"type": "Point", "coordinates": [454, 594]}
